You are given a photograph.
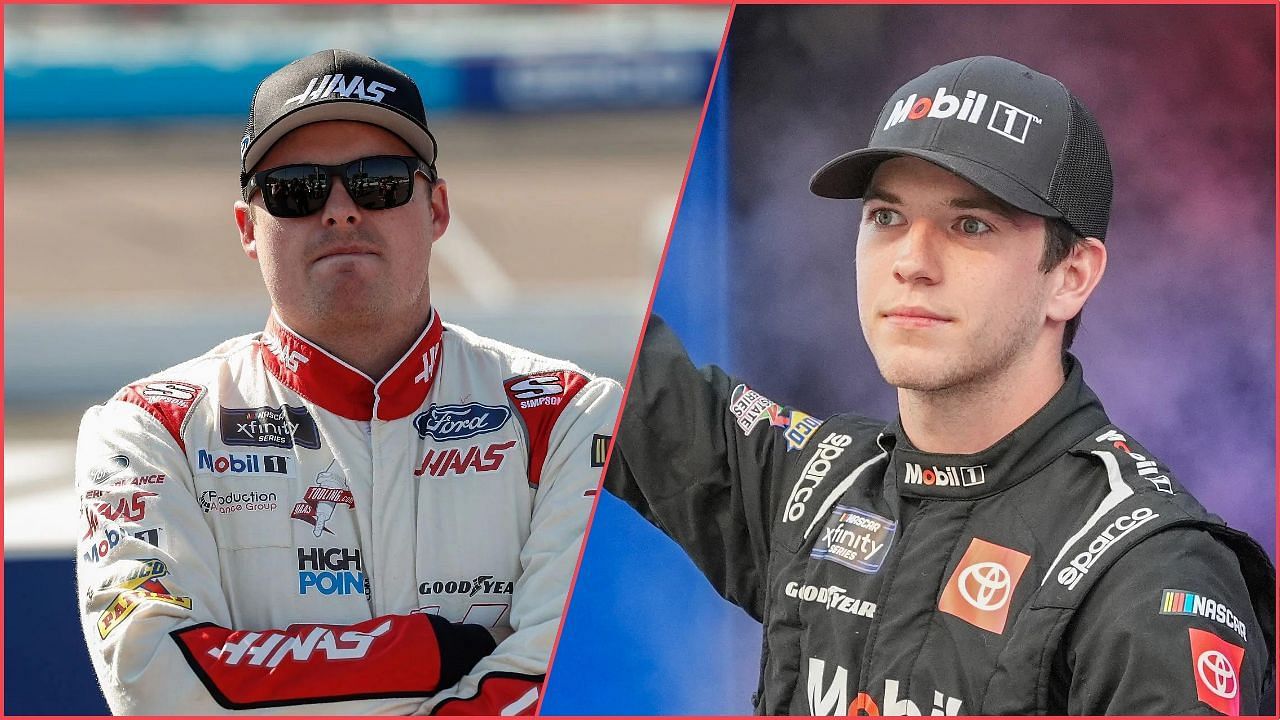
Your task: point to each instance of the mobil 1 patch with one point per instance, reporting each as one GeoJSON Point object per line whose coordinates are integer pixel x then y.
{"type": "Point", "coordinates": [855, 538]}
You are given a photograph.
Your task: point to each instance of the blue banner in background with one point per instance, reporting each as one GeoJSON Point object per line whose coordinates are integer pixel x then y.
{"type": "Point", "coordinates": [556, 83]}
{"type": "Point", "coordinates": [46, 667]}
{"type": "Point", "coordinates": [515, 84]}
{"type": "Point", "coordinates": [647, 634]}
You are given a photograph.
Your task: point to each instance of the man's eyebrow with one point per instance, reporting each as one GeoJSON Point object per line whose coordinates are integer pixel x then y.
{"type": "Point", "coordinates": [875, 192]}
{"type": "Point", "coordinates": [988, 203]}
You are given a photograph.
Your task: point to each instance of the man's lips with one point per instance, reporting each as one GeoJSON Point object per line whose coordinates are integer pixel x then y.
{"type": "Point", "coordinates": [912, 316]}
{"type": "Point", "coordinates": [346, 251]}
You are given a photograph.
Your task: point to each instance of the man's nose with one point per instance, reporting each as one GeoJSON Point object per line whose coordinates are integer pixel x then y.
{"type": "Point", "coordinates": [917, 253]}
{"type": "Point", "coordinates": [340, 209]}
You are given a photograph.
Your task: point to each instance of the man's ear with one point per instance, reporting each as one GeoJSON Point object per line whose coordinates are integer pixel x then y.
{"type": "Point", "coordinates": [439, 209]}
{"type": "Point", "coordinates": [244, 221]}
{"type": "Point", "coordinates": [1075, 278]}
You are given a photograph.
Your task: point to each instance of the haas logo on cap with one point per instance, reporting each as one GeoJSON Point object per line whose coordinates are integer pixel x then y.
{"type": "Point", "coordinates": [1005, 119]}
{"type": "Point", "coordinates": [322, 87]}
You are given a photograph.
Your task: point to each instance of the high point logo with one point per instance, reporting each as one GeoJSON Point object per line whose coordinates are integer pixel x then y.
{"type": "Point", "coordinates": [330, 571]}
{"type": "Point", "coordinates": [1004, 119]}
{"type": "Point", "coordinates": [322, 87]}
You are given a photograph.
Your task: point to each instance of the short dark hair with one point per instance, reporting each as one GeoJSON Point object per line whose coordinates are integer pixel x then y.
{"type": "Point", "coordinates": [1059, 239]}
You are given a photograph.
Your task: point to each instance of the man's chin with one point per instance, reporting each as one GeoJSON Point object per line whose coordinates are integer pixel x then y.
{"type": "Point", "coordinates": [344, 307]}
{"type": "Point", "coordinates": [916, 369]}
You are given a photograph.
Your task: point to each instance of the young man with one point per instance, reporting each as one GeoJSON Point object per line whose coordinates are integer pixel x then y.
{"type": "Point", "coordinates": [1001, 547]}
{"type": "Point", "coordinates": [359, 506]}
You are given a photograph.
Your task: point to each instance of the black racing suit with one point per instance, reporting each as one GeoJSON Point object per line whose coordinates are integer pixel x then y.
{"type": "Point", "coordinates": [1063, 570]}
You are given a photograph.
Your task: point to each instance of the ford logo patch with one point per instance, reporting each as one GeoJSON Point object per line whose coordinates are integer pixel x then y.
{"type": "Point", "coordinates": [455, 422]}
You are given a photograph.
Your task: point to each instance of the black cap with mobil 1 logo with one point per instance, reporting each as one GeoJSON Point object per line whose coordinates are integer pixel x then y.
{"type": "Point", "coordinates": [1016, 133]}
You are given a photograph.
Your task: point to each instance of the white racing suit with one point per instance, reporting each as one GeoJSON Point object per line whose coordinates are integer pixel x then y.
{"type": "Point", "coordinates": [266, 528]}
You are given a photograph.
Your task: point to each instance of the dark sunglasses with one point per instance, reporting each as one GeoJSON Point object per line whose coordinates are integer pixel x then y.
{"type": "Point", "coordinates": [374, 183]}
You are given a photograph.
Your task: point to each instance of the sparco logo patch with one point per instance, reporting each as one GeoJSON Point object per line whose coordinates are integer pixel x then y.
{"type": "Point", "coordinates": [269, 427]}
{"type": "Point", "coordinates": [832, 597]}
{"type": "Point", "coordinates": [855, 538]}
{"type": "Point", "coordinates": [1115, 532]}
{"type": "Point", "coordinates": [338, 85]}
{"type": "Point", "coordinates": [831, 447]}
{"type": "Point", "coordinates": [934, 476]}
{"type": "Point", "coordinates": [1004, 119]}
{"type": "Point", "coordinates": [1146, 468]}
{"type": "Point", "coordinates": [458, 422]}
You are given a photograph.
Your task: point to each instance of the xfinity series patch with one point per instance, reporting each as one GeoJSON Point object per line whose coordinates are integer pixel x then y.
{"type": "Point", "coordinates": [458, 422]}
{"type": "Point", "coordinates": [856, 539]}
{"type": "Point", "coordinates": [268, 427]}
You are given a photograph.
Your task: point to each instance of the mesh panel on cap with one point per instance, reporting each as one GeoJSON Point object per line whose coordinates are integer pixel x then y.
{"type": "Point", "coordinates": [248, 130]}
{"type": "Point", "coordinates": [1081, 185]}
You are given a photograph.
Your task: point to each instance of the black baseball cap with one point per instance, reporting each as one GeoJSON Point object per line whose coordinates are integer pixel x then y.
{"type": "Point", "coordinates": [334, 85]}
{"type": "Point", "coordinates": [1016, 133]}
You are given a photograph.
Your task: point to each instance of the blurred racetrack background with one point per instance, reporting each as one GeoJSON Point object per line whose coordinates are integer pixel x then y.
{"type": "Point", "coordinates": [1178, 340]}
{"type": "Point", "coordinates": [563, 131]}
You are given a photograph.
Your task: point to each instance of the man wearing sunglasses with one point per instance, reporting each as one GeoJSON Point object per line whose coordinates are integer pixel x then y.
{"type": "Point", "coordinates": [360, 509]}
